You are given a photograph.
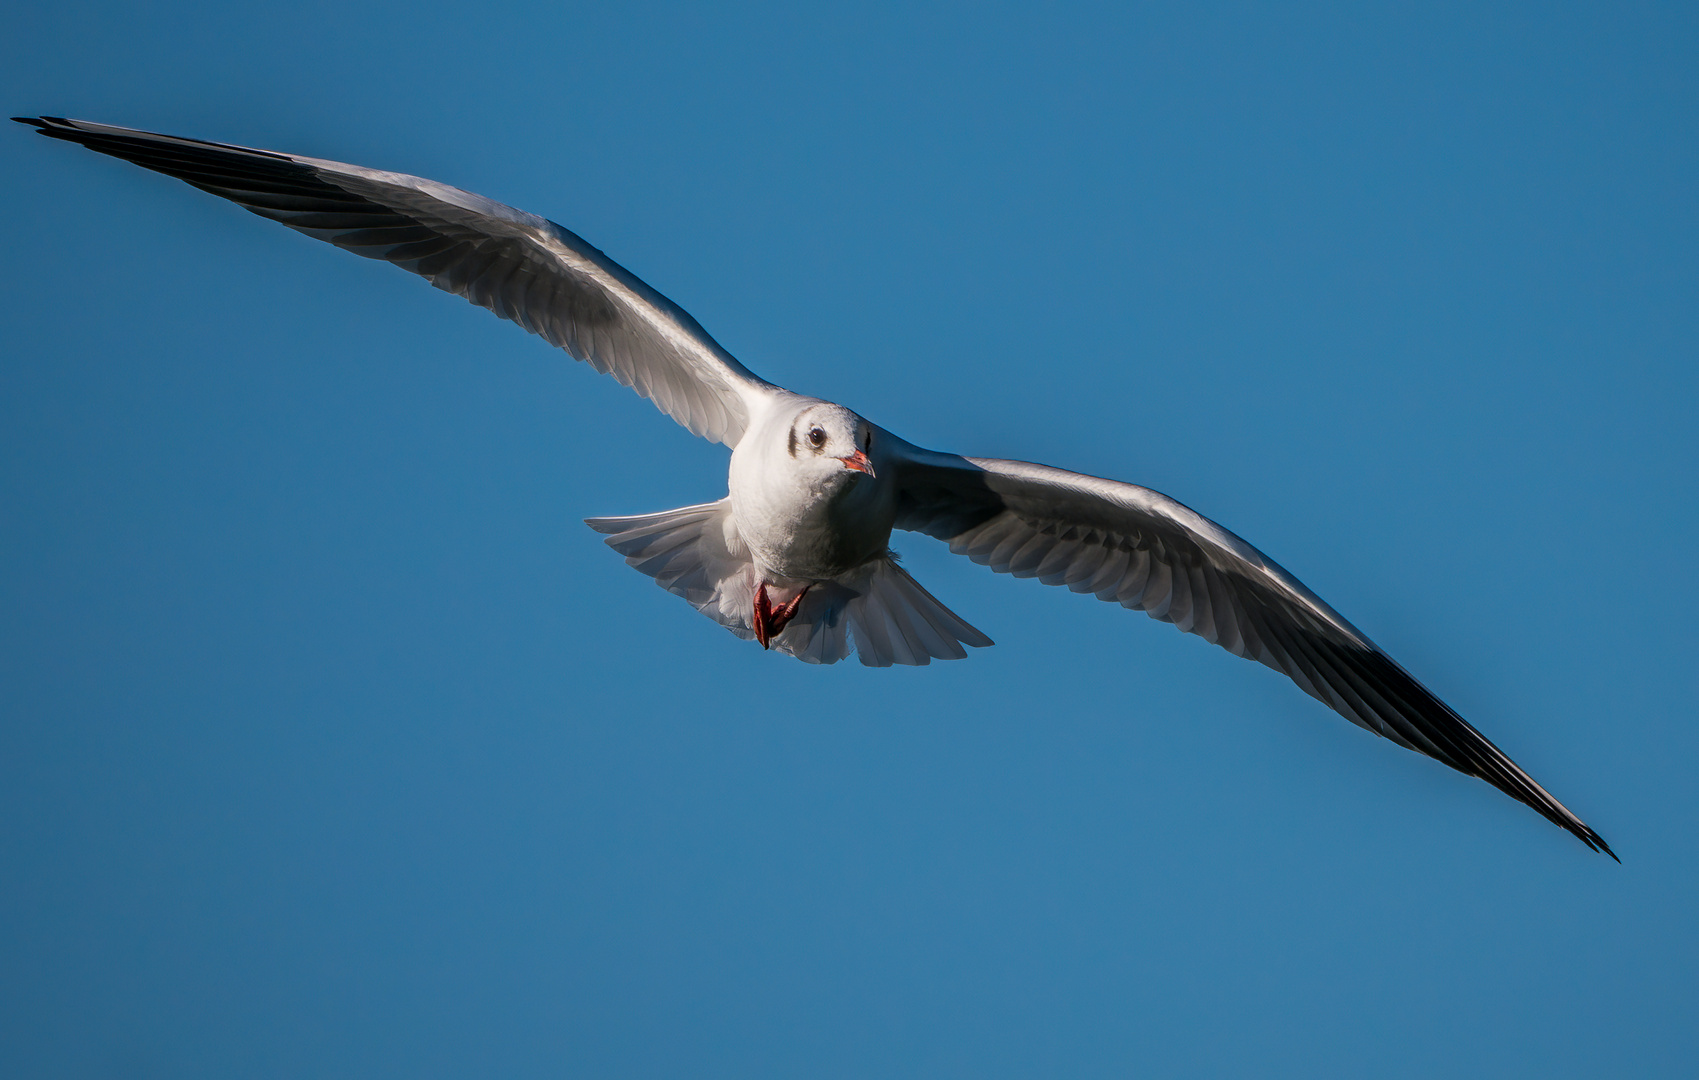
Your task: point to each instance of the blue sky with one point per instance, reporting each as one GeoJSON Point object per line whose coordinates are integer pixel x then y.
{"type": "Point", "coordinates": [332, 743]}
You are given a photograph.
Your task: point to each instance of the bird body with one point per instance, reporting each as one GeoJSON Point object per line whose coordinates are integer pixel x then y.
{"type": "Point", "coordinates": [805, 514]}
{"type": "Point", "coordinates": [797, 554]}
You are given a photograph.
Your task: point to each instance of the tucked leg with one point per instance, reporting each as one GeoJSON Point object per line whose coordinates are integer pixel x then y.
{"type": "Point", "coordinates": [770, 621]}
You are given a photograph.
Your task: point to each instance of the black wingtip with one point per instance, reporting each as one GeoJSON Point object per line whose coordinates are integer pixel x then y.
{"type": "Point", "coordinates": [1604, 847]}
{"type": "Point", "coordinates": [45, 125]}
{"type": "Point", "coordinates": [1586, 835]}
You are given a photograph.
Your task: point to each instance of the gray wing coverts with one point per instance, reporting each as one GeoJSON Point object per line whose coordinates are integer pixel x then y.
{"type": "Point", "coordinates": [520, 266]}
{"type": "Point", "coordinates": [1139, 548]}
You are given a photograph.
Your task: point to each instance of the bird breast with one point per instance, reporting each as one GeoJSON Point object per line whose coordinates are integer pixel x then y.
{"type": "Point", "coordinates": [808, 523]}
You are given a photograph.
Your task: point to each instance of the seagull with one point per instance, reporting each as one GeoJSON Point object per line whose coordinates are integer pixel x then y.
{"type": "Point", "coordinates": [797, 555]}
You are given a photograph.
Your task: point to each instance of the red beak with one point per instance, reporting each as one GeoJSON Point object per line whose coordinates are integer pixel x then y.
{"type": "Point", "coordinates": [858, 461]}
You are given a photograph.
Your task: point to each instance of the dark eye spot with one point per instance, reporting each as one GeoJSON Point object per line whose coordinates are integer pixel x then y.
{"type": "Point", "coordinates": [816, 437]}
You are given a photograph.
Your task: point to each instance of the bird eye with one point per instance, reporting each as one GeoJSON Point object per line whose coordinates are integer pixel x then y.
{"type": "Point", "coordinates": [816, 437]}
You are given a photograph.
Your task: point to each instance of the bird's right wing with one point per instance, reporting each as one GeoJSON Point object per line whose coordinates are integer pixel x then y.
{"type": "Point", "coordinates": [520, 266]}
{"type": "Point", "coordinates": [1138, 547]}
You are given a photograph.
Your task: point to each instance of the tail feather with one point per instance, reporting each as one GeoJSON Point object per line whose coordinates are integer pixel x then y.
{"type": "Point", "coordinates": [877, 609]}
{"type": "Point", "coordinates": [889, 617]}
{"type": "Point", "coordinates": [693, 553]}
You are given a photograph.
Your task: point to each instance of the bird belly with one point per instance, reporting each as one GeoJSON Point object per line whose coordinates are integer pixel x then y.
{"type": "Point", "coordinates": [809, 540]}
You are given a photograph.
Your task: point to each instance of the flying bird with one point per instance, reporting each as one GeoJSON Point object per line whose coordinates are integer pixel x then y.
{"type": "Point", "coordinates": [797, 554]}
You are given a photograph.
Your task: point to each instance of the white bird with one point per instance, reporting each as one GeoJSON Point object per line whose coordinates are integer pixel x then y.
{"type": "Point", "coordinates": [797, 554]}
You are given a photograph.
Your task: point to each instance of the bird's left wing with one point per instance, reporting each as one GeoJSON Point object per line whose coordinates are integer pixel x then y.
{"type": "Point", "coordinates": [518, 265]}
{"type": "Point", "coordinates": [1142, 549]}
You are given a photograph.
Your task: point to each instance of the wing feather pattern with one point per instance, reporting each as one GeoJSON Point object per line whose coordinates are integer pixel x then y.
{"type": "Point", "coordinates": [1143, 550]}
{"type": "Point", "coordinates": [524, 268]}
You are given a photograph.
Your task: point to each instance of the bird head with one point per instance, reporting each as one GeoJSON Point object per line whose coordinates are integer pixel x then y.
{"type": "Point", "coordinates": [830, 438]}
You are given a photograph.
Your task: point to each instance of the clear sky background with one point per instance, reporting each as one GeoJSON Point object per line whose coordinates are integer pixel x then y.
{"type": "Point", "coordinates": [332, 743]}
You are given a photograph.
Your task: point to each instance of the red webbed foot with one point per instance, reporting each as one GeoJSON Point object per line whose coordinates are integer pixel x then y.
{"type": "Point", "coordinates": [770, 621]}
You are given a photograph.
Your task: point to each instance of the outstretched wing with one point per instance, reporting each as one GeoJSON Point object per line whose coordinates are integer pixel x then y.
{"type": "Point", "coordinates": [1147, 552]}
{"type": "Point", "coordinates": [520, 266]}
